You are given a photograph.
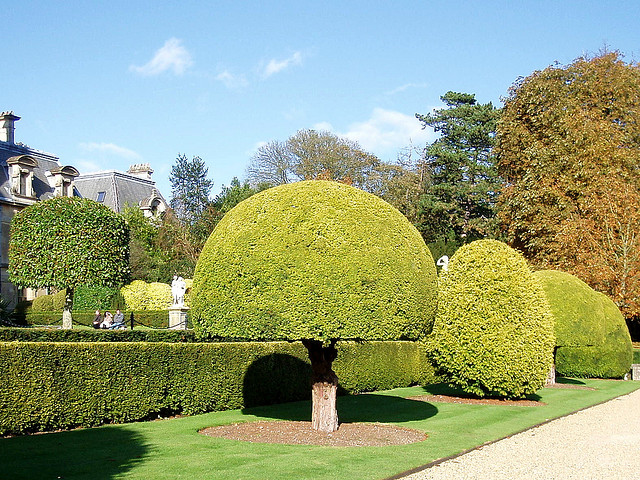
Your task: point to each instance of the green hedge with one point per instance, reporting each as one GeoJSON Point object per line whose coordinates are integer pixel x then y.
{"type": "Point", "coordinates": [61, 335]}
{"type": "Point", "coordinates": [592, 338]}
{"type": "Point", "coordinates": [636, 355]}
{"type": "Point", "coordinates": [578, 312]}
{"type": "Point", "coordinates": [147, 318]}
{"type": "Point", "coordinates": [612, 359]}
{"type": "Point", "coordinates": [49, 386]}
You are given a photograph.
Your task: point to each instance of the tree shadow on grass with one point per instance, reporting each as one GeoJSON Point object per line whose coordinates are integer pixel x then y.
{"type": "Point", "coordinates": [95, 453]}
{"type": "Point", "coordinates": [286, 380]}
{"type": "Point", "coordinates": [569, 381]}
{"type": "Point", "coordinates": [452, 391]}
{"type": "Point", "coordinates": [369, 407]}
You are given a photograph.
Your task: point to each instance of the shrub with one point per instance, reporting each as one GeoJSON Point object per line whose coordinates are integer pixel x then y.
{"type": "Point", "coordinates": [43, 303]}
{"type": "Point", "coordinates": [493, 333]}
{"type": "Point", "coordinates": [58, 299]}
{"type": "Point", "coordinates": [314, 260]}
{"type": "Point", "coordinates": [139, 295]}
{"type": "Point", "coordinates": [48, 386]}
{"type": "Point", "coordinates": [592, 338]}
{"type": "Point", "coordinates": [577, 311]}
{"type": "Point", "coordinates": [94, 297]}
{"type": "Point", "coordinates": [48, 303]}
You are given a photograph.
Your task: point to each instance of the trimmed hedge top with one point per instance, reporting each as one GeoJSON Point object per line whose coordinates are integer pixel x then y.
{"type": "Point", "coordinates": [493, 333]}
{"type": "Point", "coordinates": [577, 309]}
{"type": "Point", "coordinates": [314, 260]}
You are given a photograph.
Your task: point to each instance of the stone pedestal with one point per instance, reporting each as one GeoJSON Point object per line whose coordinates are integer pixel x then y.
{"type": "Point", "coordinates": [635, 371]}
{"type": "Point", "coordinates": [178, 317]}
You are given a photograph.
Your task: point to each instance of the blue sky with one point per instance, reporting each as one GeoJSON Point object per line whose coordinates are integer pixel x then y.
{"type": "Point", "coordinates": [107, 84]}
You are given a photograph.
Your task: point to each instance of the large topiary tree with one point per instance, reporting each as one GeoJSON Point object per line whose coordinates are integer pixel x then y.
{"type": "Point", "coordinates": [493, 332]}
{"type": "Point", "coordinates": [66, 242]}
{"type": "Point", "coordinates": [315, 261]}
{"type": "Point", "coordinates": [592, 339]}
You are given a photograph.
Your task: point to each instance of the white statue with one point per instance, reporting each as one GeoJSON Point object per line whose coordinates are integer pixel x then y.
{"type": "Point", "coordinates": [178, 289]}
{"type": "Point", "coordinates": [443, 262]}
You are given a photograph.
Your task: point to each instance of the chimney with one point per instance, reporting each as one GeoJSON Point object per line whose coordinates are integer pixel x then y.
{"type": "Point", "coordinates": [142, 170]}
{"type": "Point", "coordinates": [7, 120]}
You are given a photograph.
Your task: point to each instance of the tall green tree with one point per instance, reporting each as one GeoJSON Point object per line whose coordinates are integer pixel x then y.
{"type": "Point", "coordinates": [67, 242]}
{"type": "Point", "coordinates": [190, 188]}
{"type": "Point", "coordinates": [569, 149]}
{"type": "Point", "coordinates": [458, 170]}
{"type": "Point", "coordinates": [233, 194]}
{"type": "Point", "coordinates": [147, 260]}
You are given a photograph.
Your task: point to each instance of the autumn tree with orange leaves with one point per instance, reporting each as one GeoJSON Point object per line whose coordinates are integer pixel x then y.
{"type": "Point", "coordinates": [569, 151]}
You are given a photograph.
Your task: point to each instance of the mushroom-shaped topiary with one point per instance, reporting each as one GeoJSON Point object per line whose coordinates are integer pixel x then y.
{"type": "Point", "coordinates": [592, 339]}
{"type": "Point", "coordinates": [316, 261]}
{"type": "Point", "coordinates": [493, 332]}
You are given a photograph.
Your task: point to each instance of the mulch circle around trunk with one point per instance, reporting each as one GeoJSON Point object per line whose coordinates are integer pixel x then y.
{"type": "Point", "coordinates": [301, 433]}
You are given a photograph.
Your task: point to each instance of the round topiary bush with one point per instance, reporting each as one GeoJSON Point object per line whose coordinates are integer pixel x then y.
{"type": "Point", "coordinates": [140, 295]}
{"type": "Point", "coordinates": [592, 338]}
{"type": "Point", "coordinates": [493, 332]}
{"type": "Point", "coordinates": [314, 260]}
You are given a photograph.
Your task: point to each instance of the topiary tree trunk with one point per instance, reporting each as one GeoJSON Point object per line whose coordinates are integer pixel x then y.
{"type": "Point", "coordinates": [324, 385]}
{"type": "Point", "coordinates": [67, 321]}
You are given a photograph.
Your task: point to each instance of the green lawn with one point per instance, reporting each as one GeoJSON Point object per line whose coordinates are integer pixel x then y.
{"type": "Point", "coordinates": [170, 449]}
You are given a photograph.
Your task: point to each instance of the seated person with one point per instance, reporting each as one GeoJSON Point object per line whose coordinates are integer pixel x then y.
{"type": "Point", "coordinates": [97, 320]}
{"type": "Point", "coordinates": [108, 320]}
{"type": "Point", "coordinates": [118, 321]}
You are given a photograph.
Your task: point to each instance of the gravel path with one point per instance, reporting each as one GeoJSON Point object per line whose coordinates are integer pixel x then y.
{"type": "Point", "coordinates": [602, 442]}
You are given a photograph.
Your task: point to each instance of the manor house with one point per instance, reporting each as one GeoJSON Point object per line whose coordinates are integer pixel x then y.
{"type": "Point", "coordinates": [28, 175]}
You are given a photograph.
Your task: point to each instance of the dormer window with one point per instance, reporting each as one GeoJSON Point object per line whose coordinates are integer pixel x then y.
{"type": "Point", "coordinates": [63, 181]}
{"type": "Point", "coordinates": [100, 197]}
{"type": "Point", "coordinates": [21, 173]}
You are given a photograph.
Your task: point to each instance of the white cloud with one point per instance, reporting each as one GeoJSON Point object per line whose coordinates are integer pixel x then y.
{"type": "Point", "coordinates": [171, 56]}
{"type": "Point", "coordinates": [276, 66]}
{"type": "Point", "coordinates": [110, 149]}
{"type": "Point", "coordinates": [386, 132]}
{"type": "Point", "coordinates": [405, 87]}
{"type": "Point", "coordinates": [87, 166]}
{"type": "Point", "coordinates": [232, 81]}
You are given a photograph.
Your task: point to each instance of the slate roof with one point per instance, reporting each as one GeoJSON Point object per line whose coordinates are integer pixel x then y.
{"type": "Point", "coordinates": [45, 162]}
{"type": "Point", "coordinates": [120, 189]}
